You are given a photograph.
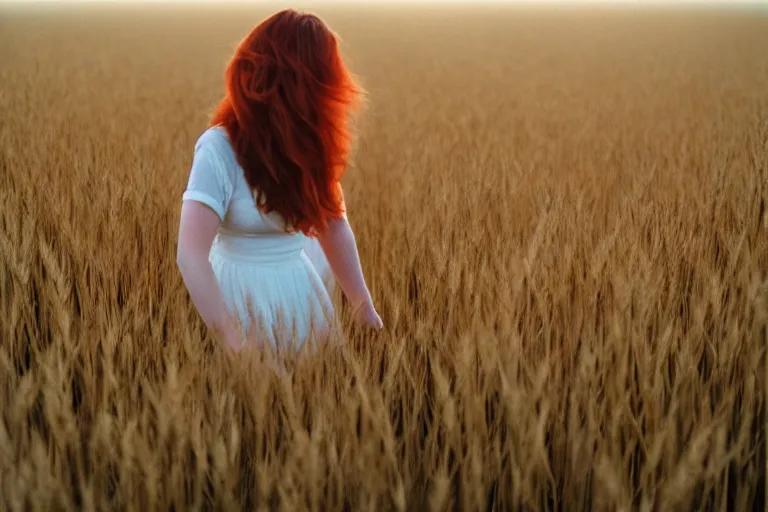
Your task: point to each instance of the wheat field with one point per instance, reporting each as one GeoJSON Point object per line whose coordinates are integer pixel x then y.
{"type": "Point", "coordinates": [561, 214]}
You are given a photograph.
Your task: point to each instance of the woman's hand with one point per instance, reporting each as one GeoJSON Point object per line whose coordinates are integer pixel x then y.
{"type": "Point", "coordinates": [367, 314]}
{"type": "Point", "coordinates": [231, 335]}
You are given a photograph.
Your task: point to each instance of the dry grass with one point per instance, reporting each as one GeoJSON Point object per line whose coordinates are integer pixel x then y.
{"type": "Point", "coordinates": [562, 216]}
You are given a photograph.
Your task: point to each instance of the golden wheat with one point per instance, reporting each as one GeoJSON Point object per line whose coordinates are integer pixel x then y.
{"type": "Point", "coordinates": [562, 216]}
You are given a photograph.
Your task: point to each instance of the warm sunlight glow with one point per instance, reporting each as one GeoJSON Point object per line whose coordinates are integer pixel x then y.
{"type": "Point", "coordinates": [309, 3]}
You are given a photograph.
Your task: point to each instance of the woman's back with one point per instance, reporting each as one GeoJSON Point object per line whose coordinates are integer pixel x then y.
{"type": "Point", "coordinates": [218, 180]}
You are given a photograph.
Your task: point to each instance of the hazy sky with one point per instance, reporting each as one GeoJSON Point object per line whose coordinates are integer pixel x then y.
{"type": "Point", "coordinates": [435, 2]}
{"type": "Point", "coordinates": [309, 4]}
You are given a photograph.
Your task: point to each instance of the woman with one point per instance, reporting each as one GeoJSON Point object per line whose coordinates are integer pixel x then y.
{"type": "Point", "coordinates": [264, 187]}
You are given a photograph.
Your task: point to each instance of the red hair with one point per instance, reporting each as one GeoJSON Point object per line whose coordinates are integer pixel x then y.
{"type": "Point", "coordinates": [288, 96]}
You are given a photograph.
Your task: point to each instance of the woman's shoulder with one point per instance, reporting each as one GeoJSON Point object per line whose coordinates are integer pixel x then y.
{"type": "Point", "coordinates": [215, 138]}
{"type": "Point", "coordinates": [214, 142]}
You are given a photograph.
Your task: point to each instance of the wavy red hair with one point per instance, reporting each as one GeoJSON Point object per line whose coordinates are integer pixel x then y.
{"type": "Point", "coordinates": [286, 111]}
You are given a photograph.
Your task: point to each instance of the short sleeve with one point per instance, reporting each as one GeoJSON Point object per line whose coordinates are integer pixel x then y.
{"type": "Point", "coordinates": [208, 181]}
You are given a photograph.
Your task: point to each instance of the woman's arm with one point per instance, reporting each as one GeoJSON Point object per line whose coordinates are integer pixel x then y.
{"type": "Point", "coordinates": [339, 245]}
{"type": "Point", "coordinates": [197, 229]}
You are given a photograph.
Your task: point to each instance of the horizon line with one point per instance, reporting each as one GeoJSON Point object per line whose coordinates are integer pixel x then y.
{"type": "Point", "coordinates": [635, 3]}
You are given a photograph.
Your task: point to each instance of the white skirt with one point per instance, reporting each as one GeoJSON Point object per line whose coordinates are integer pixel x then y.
{"type": "Point", "coordinates": [280, 295]}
